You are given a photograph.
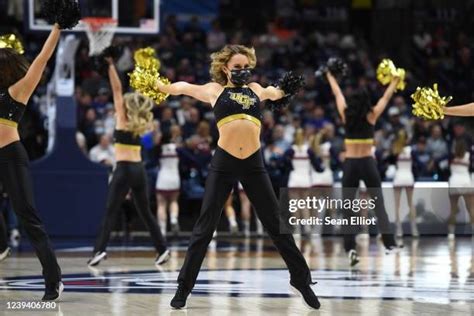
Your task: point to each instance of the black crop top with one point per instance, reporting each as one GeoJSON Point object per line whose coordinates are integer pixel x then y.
{"type": "Point", "coordinates": [11, 111]}
{"type": "Point", "coordinates": [361, 132]}
{"type": "Point", "coordinates": [126, 138]}
{"type": "Point", "coordinates": [237, 103]}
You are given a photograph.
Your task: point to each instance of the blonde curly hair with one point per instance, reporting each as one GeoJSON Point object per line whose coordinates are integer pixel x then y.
{"type": "Point", "coordinates": [221, 58]}
{"type": "Point", "coordinates": [138, 113]}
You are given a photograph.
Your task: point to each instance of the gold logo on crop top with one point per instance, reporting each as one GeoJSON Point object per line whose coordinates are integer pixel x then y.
{"type": "Point", "coordinates": [242, 99]}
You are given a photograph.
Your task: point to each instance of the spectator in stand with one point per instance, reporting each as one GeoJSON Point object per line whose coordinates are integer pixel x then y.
{"type": "Point", "coordinates": [103, 152]}
{"type": "Point", "coordinates": [192, 122]}
{"type": "Point", "coordinates": [278, 137]}
{"type": "Point", "coordinates": [423, 164]}
{"type": "Point", "coordinates": [436, 144]}
{"type": "Point", "coordinates": [216, 39]}
{"type": "Point", "coordinates": [102, 102]}
{"type": "Point", "coordinates": [167, 119]}
{"type": "Point", "coordinates": [88, 127]}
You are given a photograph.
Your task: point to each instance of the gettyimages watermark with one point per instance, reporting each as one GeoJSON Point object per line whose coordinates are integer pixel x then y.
{"type": "Point", "coordinates": [431, 210]}
{"type": "Point", "coordinates": [313, 204]}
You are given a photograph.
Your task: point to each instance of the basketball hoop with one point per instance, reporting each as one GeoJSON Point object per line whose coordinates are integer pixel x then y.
{"type": "Point", "coordinates": [100, 31]}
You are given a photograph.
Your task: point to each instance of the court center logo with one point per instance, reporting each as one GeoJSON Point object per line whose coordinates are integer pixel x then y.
{"type": "Point", "coordinates": [341, 284]}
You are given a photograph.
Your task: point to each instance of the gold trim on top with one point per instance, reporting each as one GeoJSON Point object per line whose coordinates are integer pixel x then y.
{"type": "Point", "coordinates": [369, 141]}
{"type": "Point", "coordinates": [8, 123]}
{"type": "Point", "coordinates": [229, 86]}
{"type": "Point", "coordinates": [239, 116]}
{"type": "Point", "coordinates": [126, 146]}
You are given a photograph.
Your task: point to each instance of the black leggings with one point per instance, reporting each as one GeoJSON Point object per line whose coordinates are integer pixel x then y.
{"type": "Point", "coordinates": [3, 233]}
{"type": "Point", "coordinates": [225, 171]}
{"type": "Point", "coordinates": [15, 176]}
{"type": "Point", "coordinates": [365, 169]}
{"type": "Point", "coordinates": [129, 175]}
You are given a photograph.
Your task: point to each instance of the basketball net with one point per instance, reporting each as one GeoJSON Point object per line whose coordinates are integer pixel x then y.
{"type": "Point", "coordinates": [100, 32]}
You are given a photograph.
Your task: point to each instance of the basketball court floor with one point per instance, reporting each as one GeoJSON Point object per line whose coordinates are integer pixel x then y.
{"type": "Point", "coordinates": [430, 276]}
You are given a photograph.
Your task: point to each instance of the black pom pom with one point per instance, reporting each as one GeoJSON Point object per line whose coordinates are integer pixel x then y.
{"type": "Point", "coordinates": [337, 67]}
{"type": "Point", "coordinates": [279, 104]}
{"type": "Point", "coordinates": [320, 74]}
{"type": "Point", "coordinates": [100, 61]}
{"type": "Point", "coordinates": [290, 83]}
{"type": "Point", "coordinates": [64, 12]}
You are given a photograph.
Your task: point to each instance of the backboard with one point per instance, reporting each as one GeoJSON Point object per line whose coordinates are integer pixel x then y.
{"type": "Point", "coordinates": [134, 17]}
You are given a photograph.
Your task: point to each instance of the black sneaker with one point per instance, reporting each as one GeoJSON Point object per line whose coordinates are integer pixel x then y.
{"type": "Point", "coordinates": [53, 291]}
{"type": "Point", "coordinates": [179, 299]}
{"type": "Point", "coordinates": [306, 292]}
{"type": "Point", "coordinates": [393, 249]}
{"type": "Point", "coordinates": [353, 257]}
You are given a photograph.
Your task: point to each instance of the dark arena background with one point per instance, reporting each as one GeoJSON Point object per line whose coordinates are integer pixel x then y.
{"type": "Point", "coordinates": [67, 131]}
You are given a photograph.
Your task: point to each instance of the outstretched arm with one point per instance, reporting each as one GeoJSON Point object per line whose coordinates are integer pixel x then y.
{"type": "Point", "coordinates": [268, 93]}
{"type": "Point", "coordinates": [204, 93]}
{"type": "Point", "coordinates": [460, 110]}
{"type": "Point", "coordinates": [383, 101]}
{"type": "Point", "coordinates": [116, 86]}
{"type": "Point", "coordinates": [23, 88]}
{"type": "Point", "coordinates": [340, 99]}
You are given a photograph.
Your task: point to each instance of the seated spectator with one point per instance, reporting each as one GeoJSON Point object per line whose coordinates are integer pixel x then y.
{"type": "Point", "coordinates": [436, 144]}
{"type": "Point", "coordinates": [423, 164]}
{"type": "Point", "coordinates": [103, 152]}
{"type": "Point", "coordinates": [191, 124]}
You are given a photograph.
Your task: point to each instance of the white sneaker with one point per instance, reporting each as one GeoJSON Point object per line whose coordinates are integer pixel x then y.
{"type": "Point", "coordinates": [165, 256]}
{"type": "Point", "coordinates": [399, 232]}
{"type": "Point", "coordinates": [97, 258]}
{"type": "Point", "coordinates": [5, 254]}
{"type": "Point", "coordinates": [234, 229]}
{"type": "Point", "coordinates": [15, 238]}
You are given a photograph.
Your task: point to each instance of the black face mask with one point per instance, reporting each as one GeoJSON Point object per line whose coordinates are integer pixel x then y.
{"type": "Point", "coordinates": [240, 77]}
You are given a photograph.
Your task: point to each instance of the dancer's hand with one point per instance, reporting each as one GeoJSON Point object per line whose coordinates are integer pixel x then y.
{"type": "Point", "coordinates": [109, 60]}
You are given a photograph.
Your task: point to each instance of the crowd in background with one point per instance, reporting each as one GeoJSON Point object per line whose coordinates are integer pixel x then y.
{"type": "Point", "coordinates": [439, 55]}
{"type": "Point", "coordinates": [184, 54]}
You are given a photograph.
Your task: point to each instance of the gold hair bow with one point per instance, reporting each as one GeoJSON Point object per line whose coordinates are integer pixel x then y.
{"type": "Point", "coordinates": [386, 71]}
{"type": "Point", "coordinates": [11, 41]}
{"type": "Point", "coordinates": [145, 75]}
{"type": "Point", "coordinates": [428, 103]}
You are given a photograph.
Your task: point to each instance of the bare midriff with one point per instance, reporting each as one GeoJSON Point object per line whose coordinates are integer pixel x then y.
{"type": "Point", "coordinates": [358, 150]}
{"type": "Point", "coordinates": [8, 135]}
{"type": "Point", "coordinates": [240, 138]}
{"type": "Point", "coordinates": [127, 154]}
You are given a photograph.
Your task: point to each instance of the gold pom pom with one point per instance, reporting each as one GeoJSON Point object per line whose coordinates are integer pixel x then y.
{"type": "Point", "coordinates": [145, 58]}
{"type": "Point", "coordinates": [145, 75]}
{"type": "Point", "coordinates": [386, 71]}
{"type": "Point", "coordinates": [11, 41]}
{"type": "Point", "coordinates": [428, 103]}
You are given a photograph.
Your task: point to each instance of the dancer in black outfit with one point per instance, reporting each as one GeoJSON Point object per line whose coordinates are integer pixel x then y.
{"type": "Point", "coordinates": [238, 157]}
{"type": "Point", "coordinates": [359, 118]}
{"type": "Point", "coordinates": [17, 83]}
{"type": "Point", "coordinates": [134, 118]}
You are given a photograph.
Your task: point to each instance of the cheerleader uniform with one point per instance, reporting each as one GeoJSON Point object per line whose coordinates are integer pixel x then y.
{"type": "Point", "coordinates": [300, 176]}
{"type": "Point", "coordinates": [127, 175]}
{"type": "Point", "coordinates": [324, 178]}
{"type": "Point", "coordinates": [460, 179]}
{"type": "Point", "coordinates": [364, 169]}
{"type": "Point", "coordinates": [168, 180]}
{"type": "Point", "coordinates": [404, 175]}
{"type": "Point", "coordinates": [16, 179]}
{"type": "Point", "coordinates": [236, 103]}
